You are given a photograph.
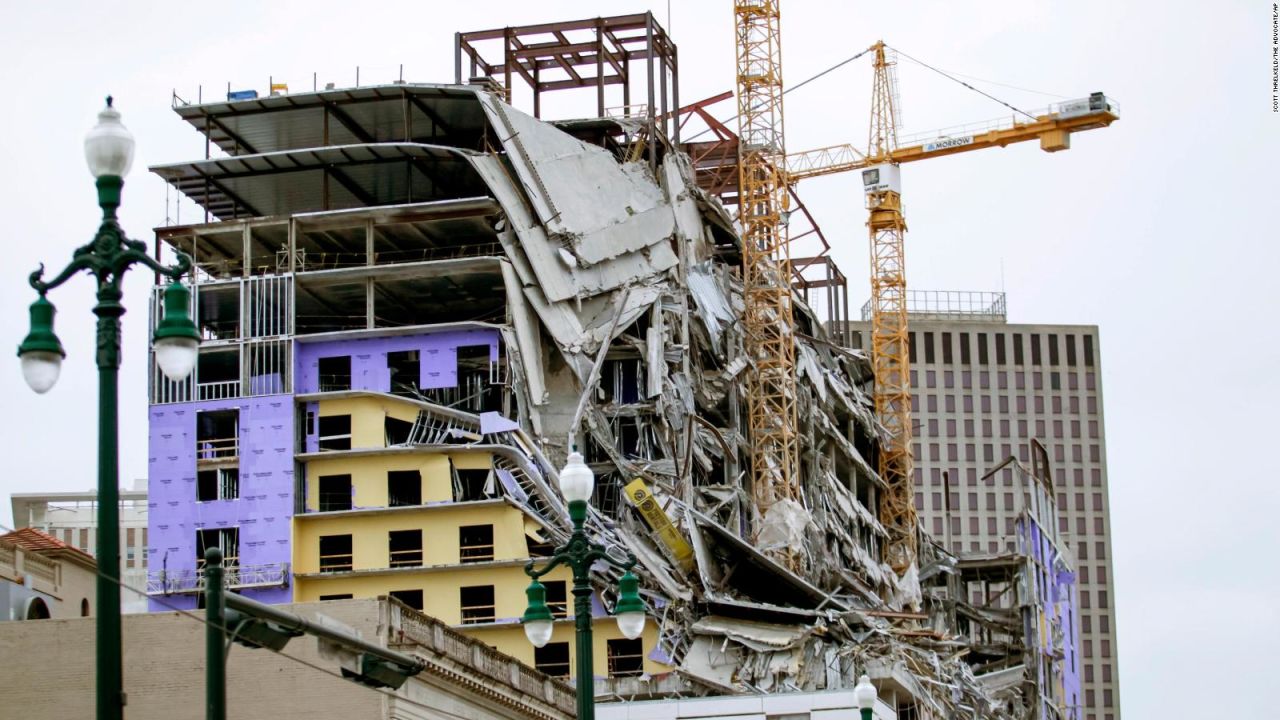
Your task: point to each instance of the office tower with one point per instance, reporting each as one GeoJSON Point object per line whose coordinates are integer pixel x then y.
{"type": "Point", "coordinates": [982, 390]}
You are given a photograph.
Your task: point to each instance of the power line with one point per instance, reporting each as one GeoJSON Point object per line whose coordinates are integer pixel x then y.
{"type": "Point", "coordinates": [306, 663]}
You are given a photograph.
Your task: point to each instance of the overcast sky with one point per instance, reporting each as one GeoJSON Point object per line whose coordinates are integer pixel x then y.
{"type": "Point", "coordinates": [1160, 230]}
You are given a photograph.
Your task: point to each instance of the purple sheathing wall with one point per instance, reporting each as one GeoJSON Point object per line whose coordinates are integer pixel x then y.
{"type": "Point", "coordinates": [438, 358]}
{"type": "Point", "coordinates": [263, 510]}
{"type": "Point", "coordinates": [1058, 601]}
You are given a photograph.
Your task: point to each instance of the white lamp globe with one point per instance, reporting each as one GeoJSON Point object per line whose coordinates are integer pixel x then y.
{"type": "Point", "coordinates": [538, 632]}
{"type": "Point", "coordinates": [576, 479]}
{"type": "Point", "coordinates": [176, 357]}
{"type": "Point", "coordinates": [108, 148]}
{"type": "Point", "coordinates": [631, 624]}
{"type": "Point", "coordinates": [864, 694]}
{"type": "Point", "coordinates": [41, 370]}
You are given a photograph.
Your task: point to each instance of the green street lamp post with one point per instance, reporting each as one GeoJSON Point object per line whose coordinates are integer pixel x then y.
{"type": "Point", "coordinates": [864, 694]}
{"type": "Point", "coordinates": [579, 553]}
{"type": "Point", "coordinates": [109, 151]}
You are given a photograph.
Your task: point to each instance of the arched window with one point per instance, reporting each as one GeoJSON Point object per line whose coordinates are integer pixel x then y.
{"type": "Point", "coordinates": [84, 607]}
{"type": "Point", "coordinates": [37, 610]}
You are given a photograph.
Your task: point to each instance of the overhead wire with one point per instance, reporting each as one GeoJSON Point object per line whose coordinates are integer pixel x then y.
{"type": "Point", "coordinates": [306, 663]}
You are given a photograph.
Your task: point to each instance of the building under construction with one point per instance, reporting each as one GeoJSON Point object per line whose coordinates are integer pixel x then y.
{"type": "Point", "coordinates": [415, 298]}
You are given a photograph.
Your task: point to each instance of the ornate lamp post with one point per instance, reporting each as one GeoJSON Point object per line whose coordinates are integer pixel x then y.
{"type": "Point", "coordinates": [579, 553]}
{"type": "Point", "coordinates": [108, 148]}
{"type": "Point", "coordinates": [864, 694]}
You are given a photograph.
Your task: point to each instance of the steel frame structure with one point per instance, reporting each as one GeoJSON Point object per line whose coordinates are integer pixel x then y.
{"type": "Point", "coordinates": [766, 263]}
{"type": "Point", "coordinates": [591, 53]}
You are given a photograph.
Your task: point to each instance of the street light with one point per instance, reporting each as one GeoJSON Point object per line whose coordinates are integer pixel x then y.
{"type": "Point", "coordinates": [579, 553]}
{"type": "Point", "coordinates": [864, 694]}
{"type": "Point", "coordinates": [108, 149]}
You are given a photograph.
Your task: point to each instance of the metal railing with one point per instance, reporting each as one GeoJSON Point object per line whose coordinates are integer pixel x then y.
{"type": "Point", "coordinates": [951, 304]}
{"type": "Point", "coordinates": [406, 558]}
{"type": "Point", "coordinates": [221, 390]}
{"type": "Point", "coordinates": [475, 553]}
{"type": "Point", "coordinates": [336, 563]}
{"type": "Point", "coordinates": [187, 580]}
{"type": "Point", "coordinates": [218, 449]}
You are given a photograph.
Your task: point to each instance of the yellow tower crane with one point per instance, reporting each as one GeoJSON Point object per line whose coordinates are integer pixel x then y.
{"type": "Point", "coordinates": [887, 225]}
{"type": "Point", "coordinates": [768, 322]}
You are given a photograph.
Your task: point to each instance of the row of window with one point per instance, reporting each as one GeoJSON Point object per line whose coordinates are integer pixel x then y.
{"type": "Point", "coordinates": [404, 488]}
{"type": "Point", "coordinates": [1038, 403]}
{"type": "Point", "coordinates": [625, 658]}
{"type": "Point", "coordinates": [1006, 476]}
{"type": "Point", "coordinates": [1006, 450]}
{"type": "Point", "coordinates": [967, 380]}
{"type": "Point", "coordinates": [1060, 429]}
{"type": "Point", "coordinates": [974, 346]}
{"type": "Point", "coordinates": [940, 503]}
{"type": "Point", "coordinates": [475, 544]}
{"type": "Point", "coordinates": [477, 388]}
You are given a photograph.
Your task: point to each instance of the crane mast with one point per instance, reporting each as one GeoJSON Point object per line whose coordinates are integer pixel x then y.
{"type": "Point", "coordinates": [768, 321]}
{"type": "Point", "coordinates": [889, 352]}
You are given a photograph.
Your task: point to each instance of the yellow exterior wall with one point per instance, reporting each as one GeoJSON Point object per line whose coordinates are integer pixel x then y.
{"type": "Point", "coordinates": [368, 415]}
{"type": "Point", "coordinates": [370, 545]}
{"type": "Point", "coordinates": [439, 522]}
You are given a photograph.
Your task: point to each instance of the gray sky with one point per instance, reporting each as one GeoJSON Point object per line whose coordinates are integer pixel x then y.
{"type": "Point", "coordinates": [1155, 229]}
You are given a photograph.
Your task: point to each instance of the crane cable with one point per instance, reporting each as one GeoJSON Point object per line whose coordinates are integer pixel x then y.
{"type": "Point", "coordinates": [797, 86]}
{"type": "Point", "coordinates": [958, 80]}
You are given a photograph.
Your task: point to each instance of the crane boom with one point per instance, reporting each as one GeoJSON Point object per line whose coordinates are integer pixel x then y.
{"type": "Point", "coordinates": [1052, 127]}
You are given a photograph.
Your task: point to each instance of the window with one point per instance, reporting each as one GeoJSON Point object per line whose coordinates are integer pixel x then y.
{"type": "Point", "coordinates": [626, 658]}
{"type": "Point", "coordinates": [340, 596]}
{"type": "Point", "coordinates": [472, 484]}
{"type": "Point", "coordinates": [1053, 349]}
{"type": "Point", "coordinates": [412, 598]}
{"type": "Point", "coordinates": [557, 598]}
{"type": "Point", "coordinates": [405, 548]}
{"type": "Point", "coordinates": [395, 431]}
{"type": "Point", "coordinates": [1000, 348]}
{"type": "Point", "coordinates": [335, 553]}
{"type": "Point", "coordinates": [225, 539]}
{"type": "Point", "coordinates": [964, 348]}
{"type": "Point", "coordinates": [406, 372]}
{"type": "Point", "coordinates": [1070, 342]}
{"type": "Point", "coordinates": [335, 374]}
{"type": "Point", "coordinates": [1017, 348]}
{"type": "Point", "coordinates": [928, 347]}
{"type": "Point", "coordinates": [477, 604]}
{"type": "Point", "coordinates": [217, 435]}
{"type": "Point", "coordinates": [946, 348]}
{"type": "Point", "coordinates": [475, 543]}
{"type": "Point", "coordinates": [982, 348]}
{"type": "Point", "coordinates": [911, 351]}
{"type": "Point", "coordinates": [335, 432]}
{"type": "Point", "coordinates": [1088, 350]}
{"type": "Point", "coordinates": [1035, 348]}
{"type": "Point", "coordinates": [335, 492]}
{"type": "Point", "coordinates": [404, 487]}
{"type": "Point", "coordinates": [218, 484]}
{"type": "Point", "coordinates": [552, 659]}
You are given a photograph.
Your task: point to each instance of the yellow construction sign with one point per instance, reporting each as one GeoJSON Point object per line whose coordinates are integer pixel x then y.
{"type": "Point", "coordinates": [656, 518]}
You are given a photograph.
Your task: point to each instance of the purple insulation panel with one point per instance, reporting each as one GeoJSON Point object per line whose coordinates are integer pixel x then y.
{"type": "Point", "coordinates": [262, 512]}
{"type": "Point", "coordinates": [1058, 603]}
{"type": "Point", "coordinates": [437, 353]}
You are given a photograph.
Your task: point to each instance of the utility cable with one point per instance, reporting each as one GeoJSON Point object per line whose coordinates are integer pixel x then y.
{"type": "Point", "coordinates": [958, 80]}
{"type": "Point", "coordinates": [306, 663]}
{"type": "Point", "coordinates": [786, 90]}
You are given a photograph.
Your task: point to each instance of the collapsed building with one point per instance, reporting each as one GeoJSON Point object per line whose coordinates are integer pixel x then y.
{"type": "Point", "coordinates": [415, 298]}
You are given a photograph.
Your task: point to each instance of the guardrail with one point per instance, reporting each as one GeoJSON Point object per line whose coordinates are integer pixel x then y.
{"type": "Point", "coordinates": [191, 580]}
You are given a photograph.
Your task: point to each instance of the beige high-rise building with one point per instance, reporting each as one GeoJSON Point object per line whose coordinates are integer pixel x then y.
{"type": "Point", "coordinates": [982, 389]}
